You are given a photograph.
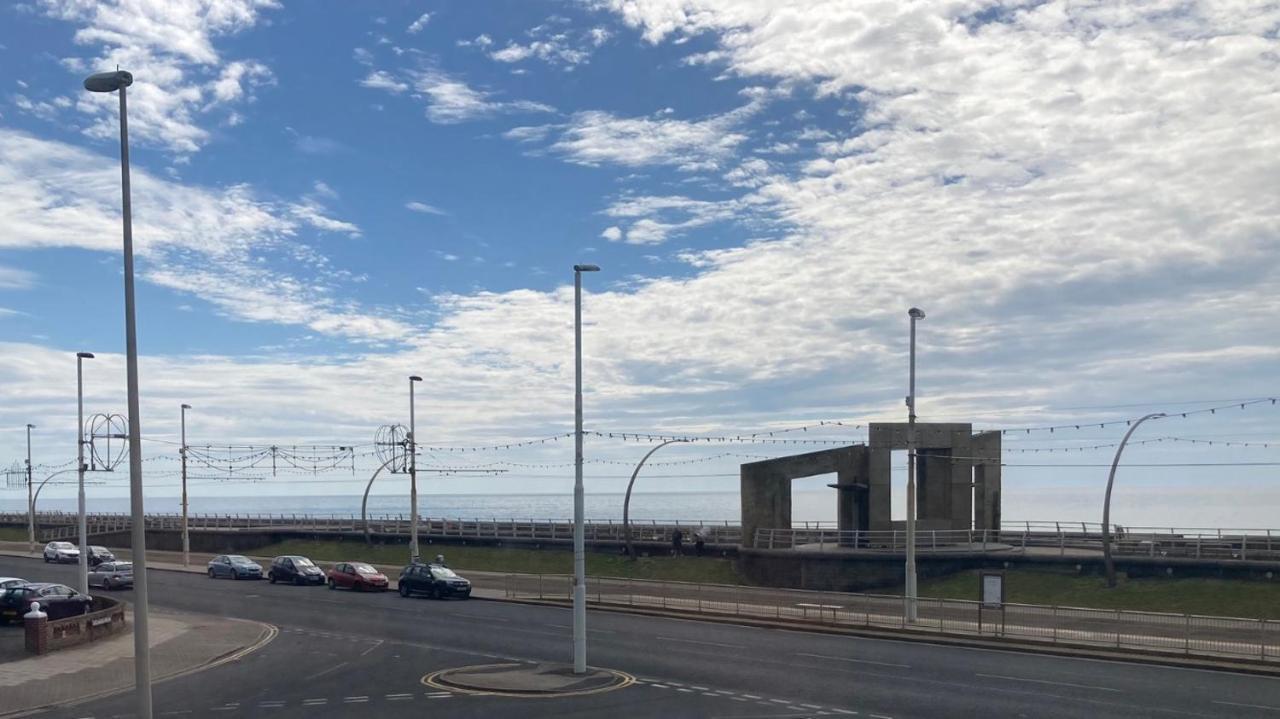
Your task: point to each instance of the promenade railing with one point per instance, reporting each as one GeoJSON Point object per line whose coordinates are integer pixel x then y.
{"type": "Point", "coordinates": [1225, 545]}
{"type": "Point", "coordinates": [1186, 634]}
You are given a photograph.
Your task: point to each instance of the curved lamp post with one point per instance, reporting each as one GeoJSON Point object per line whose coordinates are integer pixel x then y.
{"type": "Point", "coordinates": [36, 497]}
{"type": "Point", "coordinates": [626, 502]}
{"type": "Point", "coordinates": [909, 593]}
{"type": "Point", "coordinates": [1106, 503]}
{"type": "Point", "coordinates": [31, 518]}
{"type": "Point", "coordinates": [364, 503]}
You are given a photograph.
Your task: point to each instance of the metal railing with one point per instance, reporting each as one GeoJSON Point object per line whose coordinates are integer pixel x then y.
{"type": "Point", "coordinates": [1221, 545]}
{"type": "Point", "coordinates": [1186, 634]}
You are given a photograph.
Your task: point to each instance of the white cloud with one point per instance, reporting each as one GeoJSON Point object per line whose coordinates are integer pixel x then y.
{"type": "Point", "coordinates": [216, 244]}
{"type": "Point", "coordinates": [324, 190]}
{"type": "Point", "coordinates": [382, 80]}
{"type": "Point", "coordinates": [450, 100]}
{"type": "Point", "coordinates": [424, 208]}
{"type": "Point", "coordinates": [594, 138]}
{"type": "Point", "coordinates": [169, 49]}
{"type": "Point", "coordinates": [13, 278]}
{"type": "Point", "coordinates": [612, 234]}
{"type": "Point", "coordinates": [417, 25]}
{"type": "Point", "coordinates": [552, 44]}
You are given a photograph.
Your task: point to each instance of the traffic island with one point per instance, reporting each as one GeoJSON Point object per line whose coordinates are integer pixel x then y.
{"type": "Point", "coordinates": [530, 680]}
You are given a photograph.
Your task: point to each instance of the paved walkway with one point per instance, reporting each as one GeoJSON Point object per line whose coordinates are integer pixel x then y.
{"type": "Point", "coordinates": [180, 643]}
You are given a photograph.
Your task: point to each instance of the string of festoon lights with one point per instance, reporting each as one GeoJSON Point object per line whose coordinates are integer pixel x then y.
{"type": "Point", "coordinates": [1237, 444]}
{"type": "Point", "coordinates": [1126, 422]}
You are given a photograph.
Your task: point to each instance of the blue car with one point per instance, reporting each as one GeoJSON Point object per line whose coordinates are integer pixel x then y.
{"type": "Point", "coordinates": [234, 566]}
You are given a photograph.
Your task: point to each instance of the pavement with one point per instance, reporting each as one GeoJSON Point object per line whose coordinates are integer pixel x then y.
{"type": "Point", "coordinates": [349, 654]}
{"type": "Point", "coordinates": [181, 643]}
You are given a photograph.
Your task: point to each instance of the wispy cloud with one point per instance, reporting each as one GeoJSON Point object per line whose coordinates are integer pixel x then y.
{"type": "Point", "coordinates": [169, 47]}
{"type": "Point", "coordinates": [450, 100]}
{"type": "Point", "coordinates": [382, 80]}
{"type": "Point", "coordinates": [424, 208]}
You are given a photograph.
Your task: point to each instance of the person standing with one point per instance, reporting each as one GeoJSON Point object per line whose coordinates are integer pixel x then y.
{"type": "Point", "coordinates": [699, 540]}
{"type": "Point", "coordinates": [677, 543]}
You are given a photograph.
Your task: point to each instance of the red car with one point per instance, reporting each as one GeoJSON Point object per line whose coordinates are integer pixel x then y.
{"type": "Point", "coordinates": [358, 576]}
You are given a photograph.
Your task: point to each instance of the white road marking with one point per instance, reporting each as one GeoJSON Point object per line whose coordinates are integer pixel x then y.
{"type": "Point", "coordinates": [326, 671]}
{"type": "Point", "coordinates": [354, 700]}
{"type": "Point", "coordinates": [270, 705]}
{"type": "Point", "coordinates": [398, 697]}
{"type": "Point", "coordinates": [682, 689]}
{"type": "Point", "coordinates": [658, 686]}
{"type": "Point", "coordinates": [1046, 681]}
{"type": "Point", "coordinates": [695, 641]}
{"type": "Point", "coordinates": [375, 646]}
{"type": "Point", "coordinates": [314, 702]}
{"type": "Point", "coordinates": [1250, 706]}
{"type": "Point", "coordinates": [879, 716]}
{"type": "Point", "coordinates": [855, 661]}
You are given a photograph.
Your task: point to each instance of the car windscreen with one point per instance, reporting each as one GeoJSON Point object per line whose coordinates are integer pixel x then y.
{"type": "Point", "coordinates": [364, 569]}
{"type": "Point", "coordinates": [303, 562]}
{"type": "Point", "coordinates": [122, 567]}
{"type": "Point", "coordinates": [237, 559]}
{"type": "Point", "coordinates": [443, 573]}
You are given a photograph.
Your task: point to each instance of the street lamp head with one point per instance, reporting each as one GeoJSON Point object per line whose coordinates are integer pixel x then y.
{"type": "Point", "coordinates": [586, 268]}
{"type": "Point", "coordinates": [186, 406]}
{"type": "Point", "coordinates": [31, 426]}
{"type": "Point", "coordinates": [108, 81]}
{"type": "Point", "coordinates": [916, 313]}
{"type": "Point", "coordinates": [414, 378]}
{"type": "Point", "coordinates": [84, 355]}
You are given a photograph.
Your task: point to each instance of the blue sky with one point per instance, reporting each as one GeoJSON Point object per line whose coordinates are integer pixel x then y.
{"type": "Point", "coordinates": [331, 196]}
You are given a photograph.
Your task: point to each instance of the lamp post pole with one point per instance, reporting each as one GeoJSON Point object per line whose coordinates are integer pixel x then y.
{"type": "Point", "coordinates": [413, 476]}
{"type": "Point", "coordinates": [1106, 502]}
{"type": "Point", "coordinates": [186, 538]}
{"type": "Point", "coordinates": [579, 538]}
{"type": "Point", "coordinates": [31, 505]}
{"type": "Point", "coordinates": [112, 82]}
{"type": "Point", "coordinates": [83, 570]}
{"type": "Point", "coordinates": [910, 608]}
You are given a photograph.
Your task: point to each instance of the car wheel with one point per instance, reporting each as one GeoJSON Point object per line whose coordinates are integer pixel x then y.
{"type": "Point", "coordinates": [332, 585]}
{"type": "Point", "coordinates": [404, 590]}
{"type": "Point", "coordinates": [212, 574]}
{"type": "Point", "coordinates": [435, 592]}
{"type": "Point", "coordinates": [271, 577]}
{"type": "Point", "coordinates": [46, 559]}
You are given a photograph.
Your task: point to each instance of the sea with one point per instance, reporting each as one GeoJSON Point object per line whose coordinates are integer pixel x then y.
{"type": "Point", "coordinates": [1139, 506]}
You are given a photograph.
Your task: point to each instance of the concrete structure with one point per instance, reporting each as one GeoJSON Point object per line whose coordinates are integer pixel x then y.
{"type": "Point", "coordinates": [958, 479]}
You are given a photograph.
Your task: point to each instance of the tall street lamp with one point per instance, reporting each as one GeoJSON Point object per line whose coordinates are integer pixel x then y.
{"type": "Point", "coordinates": [84, 524]}
{"type": "Point", "coordinates": [112, 82]}
{"type": "Point", "coordinates": [31, 504]}
{"type": "Point", "coordinates": [910, 607]}
{"type": "Point", "coordinates": [413, 476]}
{"type": "Point", "coordinates": [1107, 563]}
{"type": "Point", "coordinates": [186, 538]}
{"type": "Point", "coordinates": [579, 540]}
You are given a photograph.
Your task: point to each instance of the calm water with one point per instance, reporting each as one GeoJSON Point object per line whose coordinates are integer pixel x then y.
{"type": "Point", "coordinates": [1187, 506]}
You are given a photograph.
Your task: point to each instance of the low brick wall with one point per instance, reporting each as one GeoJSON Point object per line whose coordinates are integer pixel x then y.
{"type": "Point", "coordinates": [106, 620]}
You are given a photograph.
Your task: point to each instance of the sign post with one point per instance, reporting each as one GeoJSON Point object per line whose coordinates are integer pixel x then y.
{"type": "Point", "coordinates": [990, 594]}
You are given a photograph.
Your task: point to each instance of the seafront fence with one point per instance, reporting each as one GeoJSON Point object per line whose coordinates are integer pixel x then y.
{"type": "Point", "coordinates": [1184, 634]}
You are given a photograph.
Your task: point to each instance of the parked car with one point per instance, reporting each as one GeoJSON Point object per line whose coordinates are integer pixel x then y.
{"type": "Point", "coordinates": [234, 566]}
{"type": "Point", "coordinates": [434, 580]}
{"type": "Point", "coordinates": [295, 569]}
{"type": "Point", "coordinates": [7, 582]}
{"type": "Point", "coordinates": [57, 600]}
{"type": "Point", "coordinates": [61, 552]}
{"type": "Point", "coordinates": [112, 575]}
{"type": "Point", "coordinates": [358, 576]}
{"type": "Point", "coordinates": [98, 555]}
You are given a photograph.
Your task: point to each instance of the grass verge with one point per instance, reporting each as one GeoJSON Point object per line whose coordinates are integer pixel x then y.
{"type": "Point", "coordinates": [1179, 595]}
{"type": "Point", "coordinates": [530, 561]}
{"type": "Point", "coordinates": [13, 534]}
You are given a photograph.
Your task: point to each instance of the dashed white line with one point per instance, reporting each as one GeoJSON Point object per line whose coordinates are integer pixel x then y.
{"type": "Point", "coordinates": [398, 697]}
{"type": "Point", "coordinates": [270, 705]}
{"type": "Point", "coordinates": [695, 641]}
{"type": "Point", "coordinates": [314, 702]}
{"type": "Point", "coordinates": [1249, 706]}
{"type": "Point", "coordinates": [855, 661]}
{"type": "Point", "coordinates": [354, 700]}
{"type": "Point", "coordinates": [1046, 681]}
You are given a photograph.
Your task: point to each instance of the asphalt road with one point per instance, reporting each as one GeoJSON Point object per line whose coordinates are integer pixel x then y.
{"type": "Point", "coordinates": [353, 654]}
